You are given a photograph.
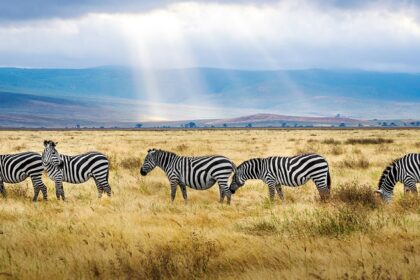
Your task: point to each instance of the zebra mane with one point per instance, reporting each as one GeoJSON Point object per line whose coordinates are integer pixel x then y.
{"type": "Point", "coordinates": [386, 172]}
{"type": "Point", "coordinates": [163, 152]}
{"type": "Point", "coordinates": [52, 143]}
{"type": "Point", "coordinates": [248, 161]}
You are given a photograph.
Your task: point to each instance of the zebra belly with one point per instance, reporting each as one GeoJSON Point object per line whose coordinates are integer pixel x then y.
{"type": "Point", "coordinates": [204, 185]}
{"type": "Point", "coordinates": [19, 178]}
{"type": "Point", "coordinates": [76, 179]}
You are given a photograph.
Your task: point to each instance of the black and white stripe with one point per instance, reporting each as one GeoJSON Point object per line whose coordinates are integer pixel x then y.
{"type": "Point", "coordinates": [287, 171]}
{"type": "Point", "coordinates": [198, 173]}
{"type": "Point", "coordinates": [15, 168]}
{"type": "Point", "coordinates": [405, 170]}
{"type": "Point", "coordinates": [76, 169]}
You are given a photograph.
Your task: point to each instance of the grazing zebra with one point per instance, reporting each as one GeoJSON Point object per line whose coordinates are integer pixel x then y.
{"type": "Point", "coordinates": [198, 173]}
{"type": "Point", "coordinates": [288, 171]}
{"type": "Point", "coordinates": [76, 169]}
{"type": "Point", "coordinates": [405, 170]}
{"type": "Point", "coordinates": [16, 168]}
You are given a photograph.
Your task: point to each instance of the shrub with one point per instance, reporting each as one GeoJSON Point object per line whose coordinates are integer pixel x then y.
{"type": "Point", "coordinates": [337, 150]}
{"type": "Point", "coordinates": [131, 163]}
{"type": "Point", "coordinates": [344, 221]}
{"type": "Point", "coordinates": [353, 193]}
{"type": "Point", "coordinates": [368, 141]}
{"type": "Point", "coordinates": [330, 141]}
{"type": "Point", "coordinates": [187, 258]}
{"type": "Point", "coordinates": [408, 202]}
{"type": "Point", "coordinates": [181, 148]}
{"type": "Point", "coordinates": [353, 163]}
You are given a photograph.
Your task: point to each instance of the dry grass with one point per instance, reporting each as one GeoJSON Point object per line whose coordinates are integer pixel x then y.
{"type": "Point", "coordinates": [354, 163]}
{"type": "Point", "coordinates": [138, 234]}
{"type": "Point", "coordinates": [369, 141]}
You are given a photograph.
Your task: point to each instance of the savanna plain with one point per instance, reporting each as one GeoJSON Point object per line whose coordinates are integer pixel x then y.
{"type": "Point", "coordinates": [138, 233]}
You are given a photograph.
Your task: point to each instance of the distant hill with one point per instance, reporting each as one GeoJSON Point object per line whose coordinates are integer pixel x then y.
{"type": "Point", "coordinates": [116, 95]}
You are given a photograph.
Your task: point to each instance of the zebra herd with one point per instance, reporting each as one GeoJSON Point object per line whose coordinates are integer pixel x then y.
{"type": "Point", "coordinates": [198, 173]}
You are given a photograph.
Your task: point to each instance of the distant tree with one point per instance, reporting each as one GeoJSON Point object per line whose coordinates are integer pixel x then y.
{"type": "Point", "coordinates": [77, 125]}
{"type": "Point", "coordinates": [342, 125]}
{"type": "Point", "coordinates": [225, 125]}
{"type": "Point", "coordinates": [139, 125]}
{"type": "Point", "coordinates": [190, 125]}
{"type": "Point", "coordinates": [249, 125]}
{"type": "Point", "coordinates": [338, 116]}
{"type": "Point", "coordinates": [284, 124]}
{"type": "Point", "coordinates": [384, 124]}
{"type": "Point", "coordinates": [360, 125]}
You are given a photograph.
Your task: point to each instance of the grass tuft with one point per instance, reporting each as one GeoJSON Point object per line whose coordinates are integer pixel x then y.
{"type": "Point", "coordinates": [355, 194]}
{"type": "Point", "coordinates": [354, 163]}
{"type": "Point", "coordinates": [368, 141]}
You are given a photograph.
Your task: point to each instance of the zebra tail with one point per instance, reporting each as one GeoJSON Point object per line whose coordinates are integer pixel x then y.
{"type": "Point", "coordinates": [328, 180]}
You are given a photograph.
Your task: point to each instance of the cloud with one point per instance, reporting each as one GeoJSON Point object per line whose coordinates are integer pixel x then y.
{"type": "Point", "coordinates": [380, 35]}
{"type": "Point", "coordinates": [44, 9]}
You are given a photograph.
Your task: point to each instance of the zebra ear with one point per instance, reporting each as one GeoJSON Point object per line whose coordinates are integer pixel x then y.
{"type": "Point", "coordinates": [45, 143]}
{"type": "Point", "coordinates": [55, 144]}
{"type": "Point", "coordinates": [378, 191]}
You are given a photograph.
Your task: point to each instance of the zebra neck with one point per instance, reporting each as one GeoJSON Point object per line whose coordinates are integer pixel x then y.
{"type": "Point", "coordinates": [252, 169]}
{"type": "Point", "coordinates": [391, 179]}
{"type": "Point", "coordinates": [165, 161]}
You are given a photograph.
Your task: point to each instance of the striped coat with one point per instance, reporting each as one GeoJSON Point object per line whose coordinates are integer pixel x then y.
{"type": "Point", "coordinates": [76, 169]}
{"type": "Point", "coordinates": [15, 168]}
{"type": "Point", "coordinates": [285, 171]}
{"type": "Point", "coordinates": [405, 170]}
{"type": "Point", "coordinates": [198, 173]}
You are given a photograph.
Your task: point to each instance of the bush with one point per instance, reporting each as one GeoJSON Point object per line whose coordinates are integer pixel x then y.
{"type": "Point", "coordinates": [188, 258]}
{"type": "Point", "coordinates": [337, 150]}
{"type": "Point", "coordinates": [327, 222]}
{"type": "Point", "coordinates": [131, 163]}
{"type": "Point", "coordinates": [355, 194]}
{"type": "Point", "coordinates": [330, 141]}
{"type": "Point", "coordinates": [344, 221]}
{"type": "Point", "coordinates": [353, 163]}
{"type": "Point", "coordinates": [368, 141]}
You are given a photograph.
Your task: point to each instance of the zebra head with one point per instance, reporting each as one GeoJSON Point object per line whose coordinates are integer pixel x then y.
{"type": "Point", "coordinates": [236, 182]}
{"type": "Point", "coordinates": [149, 162]}
{"type": "Point", "coordinates": [50, 156]}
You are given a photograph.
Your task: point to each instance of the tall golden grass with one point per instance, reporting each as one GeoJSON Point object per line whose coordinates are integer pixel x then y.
{"type": "Point", "coordinates": [137, 233]}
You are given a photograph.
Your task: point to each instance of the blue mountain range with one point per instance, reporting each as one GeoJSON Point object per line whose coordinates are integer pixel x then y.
{"type": "Point", "coordinates": [315, 92]}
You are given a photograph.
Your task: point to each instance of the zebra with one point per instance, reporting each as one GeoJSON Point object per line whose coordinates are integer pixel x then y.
{"type": "Point", "coordinates": [288, 171]}
{"type": "Point", "coordinates": [405, 170]}
{"type": "Point", "coordinates": [15, 168]}
{"type": "Point", "coordinates": [75, 169]}
{"type": "Point", "coordinates": [198, 173]}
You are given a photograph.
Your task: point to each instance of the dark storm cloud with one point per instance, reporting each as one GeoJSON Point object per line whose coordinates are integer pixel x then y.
{"type": "Point", "coordinates": [18, 10]}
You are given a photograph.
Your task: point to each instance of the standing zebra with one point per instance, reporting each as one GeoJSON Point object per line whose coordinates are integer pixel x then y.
{"type": "Point", "coordinates": [76, 169]}
{"type": "Point", "coordinates": [16, 168]}
{"type": "Point", "coordinates": [289, 171]}
{"type": "Point", "coordinates": [198, 173]}
{"type": "Point", "coordinates": [405, 170]}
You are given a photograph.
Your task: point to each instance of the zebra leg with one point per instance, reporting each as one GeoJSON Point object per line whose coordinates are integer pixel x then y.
{"type": "Point", "coordinates": [173, 190]}
{"type": "Point", "coordinates": [59, 190]}
{"type": "Point", "coordinates": [99, 187]}
{"type": "Point", "coordinates": [222, 194]}
{"type": "Point", "coordinates": [38, 186]}
{"type": "Point", "coordinates": [184, 193]}
{"type": "Point", "coordinates": [280, 192]}
{"type": "Point", "coordinates": [44, 192]}
{"type": "Point", "coordinates": [2, 189]}
{"type": "Point", "coordinates": [271, 191]}
{"type": "Point", "coordinates": [224, 191]}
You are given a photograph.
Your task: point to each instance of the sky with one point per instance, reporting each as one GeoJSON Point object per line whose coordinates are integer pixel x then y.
{"type": "Point", "coordinates": [244, 34]}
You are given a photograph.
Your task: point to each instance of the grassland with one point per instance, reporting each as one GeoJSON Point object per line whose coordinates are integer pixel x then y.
{"type": "Point", "coordinates": [137, 233]}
